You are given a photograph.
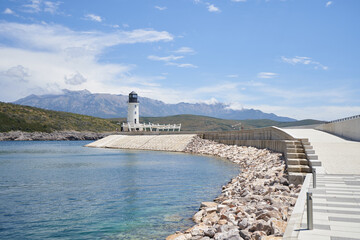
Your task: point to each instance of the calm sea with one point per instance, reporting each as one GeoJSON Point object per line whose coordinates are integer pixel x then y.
{"type": "Point", "coordinates": [62, 190]}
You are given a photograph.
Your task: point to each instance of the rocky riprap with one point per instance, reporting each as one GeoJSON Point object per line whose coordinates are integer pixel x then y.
{"type": "Point", "coordinates": [54, 136]}
{"type": "Point", "coordinates": [254, 205]}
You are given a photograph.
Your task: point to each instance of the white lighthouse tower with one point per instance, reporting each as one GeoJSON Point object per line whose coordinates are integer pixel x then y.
{"type": "Point", "coordinates": [133, 110]}
{"type": "Point", "coordinates": [133, 120]}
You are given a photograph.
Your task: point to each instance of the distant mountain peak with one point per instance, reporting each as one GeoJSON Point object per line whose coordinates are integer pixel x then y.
{"type": "Point", "coordinates": [83, 92]}
{"type": "Point", "coordinates": [115, 106]}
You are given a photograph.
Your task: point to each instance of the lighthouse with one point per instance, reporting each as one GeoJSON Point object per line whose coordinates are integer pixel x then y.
{"type": "Point", "coordinates": [133, 109]}
{"type": "Point", "coordinates": [133, 120]}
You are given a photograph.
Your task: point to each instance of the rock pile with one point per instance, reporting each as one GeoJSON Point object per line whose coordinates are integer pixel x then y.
{"type": "Point", "coordinates": [55, 136]}
{"type": "Point", "coordinates": [254, 205]}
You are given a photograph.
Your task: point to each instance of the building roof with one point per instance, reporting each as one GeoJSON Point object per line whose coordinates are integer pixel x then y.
{"type": "Point", "coordinates": [133, 92]}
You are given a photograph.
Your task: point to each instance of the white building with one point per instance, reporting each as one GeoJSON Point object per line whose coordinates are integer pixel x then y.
{"type": "Point", "coordinates": [133, 119]}
{"type": "Point", "coordinates": [133, 109]}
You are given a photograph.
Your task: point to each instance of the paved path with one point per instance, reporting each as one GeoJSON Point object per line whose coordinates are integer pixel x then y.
{"type": "Point", "coordinates": [338, 156]}
{"type": "Point", "coordinates": [336, 198]}
{"type": "Point", "coordinates": [336, 205]}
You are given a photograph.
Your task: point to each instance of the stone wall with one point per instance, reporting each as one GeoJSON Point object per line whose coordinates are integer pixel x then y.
{"type": "Point", "coordinates": [270, 137]}
{"type": "Point", "coordinates": [268, 133]}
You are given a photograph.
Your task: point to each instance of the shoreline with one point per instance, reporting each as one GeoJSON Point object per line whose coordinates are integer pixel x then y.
{"type": "Point", "coordinates": [256, 204]}
{"type": "Point", "coordinates": [53, 136]}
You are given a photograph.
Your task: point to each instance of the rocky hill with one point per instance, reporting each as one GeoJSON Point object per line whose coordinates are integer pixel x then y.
{"type": "Point", "coordinates": [112, 106]}
{"type": "Point", "coordinates": [30, 119]}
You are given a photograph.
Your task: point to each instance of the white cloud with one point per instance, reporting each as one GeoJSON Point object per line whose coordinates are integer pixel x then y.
{"type": "Point", "coordinates": [46, 53]}
{"type": "Point", "coordinates": [267, 75]}
{"type": "Point", "coordinates": [238, 0]}
{"type": "Point", "coordinates": [305, 61]}
{"type": "Point", "coordinates": [211, 101]}
{"type": "Point", "coordinates": [160, 8]}
{"type": "Point", "coordinates": [321, 112]}
{"type": "Point", "coordinates": [182, 65]}
{"type": "Point", "coordinates": [8, 11]}
{"type": "Point", "coordinates": [165, 59]}
{"type": "Point", "coordinates": [33, 7]}
{"type": "Point", "coordinates": [51, 7]}
{"type": "Point", "coordinates": [185, 50]}
{"type": "Point", "coordinates": [328, 3]}
{"type": "Point", "coordinates": [36, 6]}
{"type": "Point", "coordinates": [232, 76]}
{"type": "Point", "coordinates": [169, 61]}
{"type": "Point", "coordinates": [52, 37]}
{"type": "Point", "coordinates": [75, 79]}
{"type": "Point", "coordinates": [212, 8]}
{"type": "Point", "coordinates": [93, 17]}
{"type": "Point", "coordinates": [17, 74]}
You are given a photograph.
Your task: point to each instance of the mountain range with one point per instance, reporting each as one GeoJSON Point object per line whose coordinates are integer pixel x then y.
{"type": "Point", "coordinates": [115, 106]}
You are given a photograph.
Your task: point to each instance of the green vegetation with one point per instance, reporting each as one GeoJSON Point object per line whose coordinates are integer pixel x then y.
{"type": "Point", "coordinates": [203, 123]}
{"type": "Point", "coordinates": [30, 119]}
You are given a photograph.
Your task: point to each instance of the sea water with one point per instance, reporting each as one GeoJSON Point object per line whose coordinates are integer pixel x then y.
{"type": "Point", "coordinates": [62, 190]}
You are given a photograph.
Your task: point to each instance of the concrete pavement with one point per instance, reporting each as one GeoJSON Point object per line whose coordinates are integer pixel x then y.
{"type": "Point", "coordinates": [336, 198]}
{"type": "Point", "coordinates": [338, 156]}
{"type": "Point", "coordinates": [336, 209]}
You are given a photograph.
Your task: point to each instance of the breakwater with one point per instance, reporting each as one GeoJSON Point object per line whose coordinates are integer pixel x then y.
{"type": "Point", "coordinates": [173, 143]}
{"type": "Point", "coordinates": [255, 204]}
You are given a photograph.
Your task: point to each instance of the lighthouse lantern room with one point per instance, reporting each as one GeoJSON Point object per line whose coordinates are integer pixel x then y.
{"type": "Point", "coordinates": [133, 109]}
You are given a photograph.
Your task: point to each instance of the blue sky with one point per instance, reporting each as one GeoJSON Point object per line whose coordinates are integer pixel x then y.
{"type": "Point", "coordinates": [296, 58]}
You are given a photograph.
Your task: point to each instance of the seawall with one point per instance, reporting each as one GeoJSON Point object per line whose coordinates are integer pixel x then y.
{"type": "Point", "coordinates": [271, 138]}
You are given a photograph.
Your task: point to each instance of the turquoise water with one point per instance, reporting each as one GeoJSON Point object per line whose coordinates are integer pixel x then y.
{"type": "Point", "coordinates": [61, 190]}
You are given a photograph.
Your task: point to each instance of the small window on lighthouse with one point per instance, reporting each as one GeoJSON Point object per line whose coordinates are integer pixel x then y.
{"type": "Point", "coordinates": [135, 106]}
{"type": "Point", "coordinates": [135, 112]}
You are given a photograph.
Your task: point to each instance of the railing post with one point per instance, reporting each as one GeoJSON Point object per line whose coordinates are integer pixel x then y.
{"type": "Point", "coordinates": [309, 205]}
{"type": "Point", "coordinates": [314, 177]}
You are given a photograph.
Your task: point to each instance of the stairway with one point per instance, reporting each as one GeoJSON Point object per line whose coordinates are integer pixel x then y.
{"type": "Point", "coordinates": [300, 159]}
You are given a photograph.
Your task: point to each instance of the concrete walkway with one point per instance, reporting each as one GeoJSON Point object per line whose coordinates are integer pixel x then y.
{"type": "Point", "coordinates": [336, 209]}
{"type": "Point", "coordinates": [336, 198]}
{"type": "Point", "coordinates": [337, 155]}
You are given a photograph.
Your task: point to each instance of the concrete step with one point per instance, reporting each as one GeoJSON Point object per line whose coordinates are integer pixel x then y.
{"type": "Point", "coordinates": [314, 163]}
{"type": "Point", "coordinates": [312, 157]}
{"type": "Point", "coordinates": [299, 168]}
{"type": "Point", "coordinates": [308, 147]}
{"type": "Point", "coordinates": [292, 144]}
{"type": "Point", "coordinates": [310, 151]}
{"type": "Point", "coordinates": [297, 162]}
{"type": "Point", "coordinates": [296, 155]}
{"type": "Point", "coordinates": [291, 141]}
{"type": "Point", "coordinates": [297, 178]}
{"type": "Point", "coordinates": [295, 150]}
{"type": "Point", "coordinates": [305, 141]}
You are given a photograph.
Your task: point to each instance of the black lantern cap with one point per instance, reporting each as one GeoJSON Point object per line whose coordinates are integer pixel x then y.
{"type": "Point", "coordinates": [133, 97]}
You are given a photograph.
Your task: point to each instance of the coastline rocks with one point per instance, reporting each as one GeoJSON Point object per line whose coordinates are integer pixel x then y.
{"type": "Point", "coordinates": [254, 205]}
{"type": "Point", "coordinates": [54, 136]}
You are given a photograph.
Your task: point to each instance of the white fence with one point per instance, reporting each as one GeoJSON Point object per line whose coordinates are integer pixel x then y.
{"type": "Point", "coordinates": [150, 127]}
